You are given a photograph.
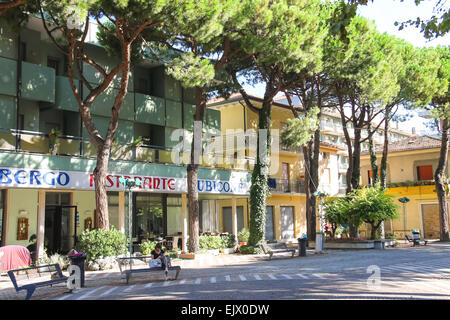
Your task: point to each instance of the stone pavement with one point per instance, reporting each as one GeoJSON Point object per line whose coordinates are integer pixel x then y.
{"type": "Point", "coordinates": [237, 265]}
{"type": "Point", "coordinates": [190, 268]}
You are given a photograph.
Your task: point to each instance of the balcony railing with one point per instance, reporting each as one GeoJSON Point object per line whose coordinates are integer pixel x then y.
{"type": "Point", "coordinates": [343, 166]}
{"type": "Point", "coordinates": [39, 143]}
{"type": "Point", "coordinates": [286, 185]}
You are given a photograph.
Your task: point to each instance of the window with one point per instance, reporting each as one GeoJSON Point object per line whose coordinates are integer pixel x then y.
{"type": "Point", "coordinates": [425, 173]}
{"type": "Point", "coordinates": [142, 86]}
{"type": "Point", "coordinates": [54, 64]}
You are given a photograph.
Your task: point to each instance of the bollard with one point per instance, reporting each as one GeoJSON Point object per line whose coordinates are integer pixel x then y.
{"type": "Point", "coordinates": [302, 246]}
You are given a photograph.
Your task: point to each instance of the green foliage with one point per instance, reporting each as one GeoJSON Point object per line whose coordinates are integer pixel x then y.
{"type": "Point", "coordinates": [98, 243]}
{"type": "Point", "coordinates": [229, 240]}
{"type": "Point", "coordinates": [211, 242]}
{"type": "Point", "coordinates": [371, 205]}
{"type": "Point", "coordinates": [243, 235]}
{"type": "Point", "coordinates": [56, 258]}
{"type": "Point", "coordinates": [146, 247]}
{"type": "Point", "coordinates": [389, 236]}
{"type": "Point", "coordinates": [336, 212]}
{"type": "Point", "coordinates": [299, 131]}
{"type": "Point", "coordinates": [191, 70]}
{"type": "Point", "coordinates": [438, 25]}
{"type": "Point", "coordinates": [248, 249]}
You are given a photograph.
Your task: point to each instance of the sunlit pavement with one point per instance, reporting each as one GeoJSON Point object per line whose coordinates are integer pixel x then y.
{"type": "Point", "coordinates": [406, 273]}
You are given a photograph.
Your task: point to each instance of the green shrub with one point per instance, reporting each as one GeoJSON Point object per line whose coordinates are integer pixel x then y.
{"type": "Point", "coordinates": [229, 240]}
{"type": "Point", "coordinates": [98, 243]}
{"type": "Point", "coordinates": [147, 247]}
{"type": "Point", "coordinates": [211, 242]}
{"type": "Point", "coordinates": [250, 249]}
{"type": "Point", "coordinates": [389, 236]}
{"type": "Point", "coordinates": [243, 235]}
{"type": "Point", "coordinates": [56, 258]}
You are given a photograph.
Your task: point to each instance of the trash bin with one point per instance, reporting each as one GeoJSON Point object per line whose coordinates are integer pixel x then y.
{"type": "Point", "coordinates": [302, 246]}
{"type": "Point", "coordinates": [379, 244]}
{"type": "Point", "coordinates": [78, 260]}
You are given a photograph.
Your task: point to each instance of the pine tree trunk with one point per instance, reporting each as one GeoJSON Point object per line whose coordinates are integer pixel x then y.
{"type": "Point", "coordinates": [383, 164]}
{"type": "Point", "coordinates": [192, 171]}
{"type": "Point", "coordinates": [440, 183]}
{"type": "Point", "coordinates": [373, 161]}
{"type": "Point", "coordinates": [194, 208]}
{"type": "Point", "coordinates": [101, 198]}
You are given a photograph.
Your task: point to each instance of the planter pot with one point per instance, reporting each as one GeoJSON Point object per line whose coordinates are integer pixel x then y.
{"type": "Point", "coordinates": [346, 245]}
{"type": "Point", "coordinates": [319, 242]}
{"type": "Point", "coordinates": [214, 252]}
{"type": "Point", "coordinates": [389, 242]}
{"type": "Point", "coordinates": [228, 251]}
{"type": "Point", "coordinates": [187, 255]}
{"type": "Point", "coordinates": [378, 244]}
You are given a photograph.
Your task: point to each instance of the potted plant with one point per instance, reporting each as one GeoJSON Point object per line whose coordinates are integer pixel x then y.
{"type": "Point", "coordinates": [243, 236]}
{"type": "Point", "coordinates": [53, 136]}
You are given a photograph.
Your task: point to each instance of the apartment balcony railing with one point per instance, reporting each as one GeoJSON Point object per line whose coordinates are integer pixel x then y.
{"type": "Point", "coordinates": [39, 143]}
{"type": "Point", "coordinates": [343, 166]}
{"type": "Point", "coordinates": [331, 128]}
{"type": "Point", "coordinates": [286, 185]}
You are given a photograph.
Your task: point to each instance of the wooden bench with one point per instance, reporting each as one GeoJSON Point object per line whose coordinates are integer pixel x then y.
{"type": "Point", "coordinates": [129, 261]}
{"type": "Point", "coordinates": [280, 248]}
{"type": "Point", "coordinates": [415, 239]}
{"type": "Point", "coordinates": [52, 270]}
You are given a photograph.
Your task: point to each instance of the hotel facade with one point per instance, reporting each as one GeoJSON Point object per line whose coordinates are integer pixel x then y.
{"type": "Point", "coordinates": [46, 186]}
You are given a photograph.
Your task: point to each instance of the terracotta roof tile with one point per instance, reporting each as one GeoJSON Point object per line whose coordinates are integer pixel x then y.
{"type": "Point", "coordinates": [410, 144]}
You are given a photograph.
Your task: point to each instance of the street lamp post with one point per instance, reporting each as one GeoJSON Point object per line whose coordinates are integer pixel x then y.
{"type": "Point", "coordinates": [320, 236]}
{"type": "Point", "coordinates": [129, 183]}
{"type": "Point", "coordinates": [404, 200]}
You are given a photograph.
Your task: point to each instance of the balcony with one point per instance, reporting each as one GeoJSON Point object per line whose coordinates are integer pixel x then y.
{"type": "Point", "coordinates": [22, 141]}
{"type": "Point", "coordinates": [329, 127]}
{"type": "Point", "coordinates": [286, 185]}
{"type": "Point", "coordinates": [343, 166]}
{"type": "Point", "coordinates": [38, 82]}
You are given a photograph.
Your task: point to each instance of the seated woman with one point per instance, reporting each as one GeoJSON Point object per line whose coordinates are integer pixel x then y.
{"type": "Point", "coordinates": [159, 259]}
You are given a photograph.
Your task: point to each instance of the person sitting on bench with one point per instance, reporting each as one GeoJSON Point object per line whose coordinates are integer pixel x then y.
{"type": "Point", "coordinates": [159, 259]}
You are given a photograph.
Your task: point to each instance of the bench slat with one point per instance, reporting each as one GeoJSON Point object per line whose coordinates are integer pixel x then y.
{"type": "Point", "coordinates": [30, 287]}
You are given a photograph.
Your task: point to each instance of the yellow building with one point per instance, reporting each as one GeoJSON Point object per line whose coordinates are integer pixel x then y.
{"type": "Point", "coordinates": [410, 168]}
{"type": "Point", "coordinates": [285, 219]}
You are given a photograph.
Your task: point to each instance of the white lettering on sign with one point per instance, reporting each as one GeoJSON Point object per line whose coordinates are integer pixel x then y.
{"type": "Point", "coordinates": [55, 179]}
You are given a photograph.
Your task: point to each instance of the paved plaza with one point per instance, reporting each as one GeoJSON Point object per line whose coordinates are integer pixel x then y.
{"type": "Point", "coordinates": [404, 273]}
